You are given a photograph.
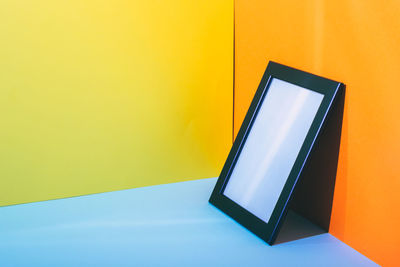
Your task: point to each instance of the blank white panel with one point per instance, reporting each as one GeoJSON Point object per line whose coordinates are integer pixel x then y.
{"type": "Point", "coordinates": [272, 146]}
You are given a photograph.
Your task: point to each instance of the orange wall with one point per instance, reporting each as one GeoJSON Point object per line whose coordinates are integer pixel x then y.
{"type": "Point", "coordinates": [358, 43]}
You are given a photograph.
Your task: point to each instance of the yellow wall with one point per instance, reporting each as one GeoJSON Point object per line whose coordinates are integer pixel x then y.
{"type": "Point", "coordinates": [104, 95]}
{"type": "Point", "coordinates": [358, 43]}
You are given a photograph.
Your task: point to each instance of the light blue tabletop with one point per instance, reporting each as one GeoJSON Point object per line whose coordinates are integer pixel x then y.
{"type": "Point", "coordinates": [164, 225]}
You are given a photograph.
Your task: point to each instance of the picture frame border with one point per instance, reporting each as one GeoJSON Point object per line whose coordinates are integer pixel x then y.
{"type": "Point", "coordinates": [330, 89]}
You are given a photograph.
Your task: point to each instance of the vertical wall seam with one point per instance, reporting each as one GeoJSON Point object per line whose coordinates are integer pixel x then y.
{"type": "Point", "coordinates": [233, 84]}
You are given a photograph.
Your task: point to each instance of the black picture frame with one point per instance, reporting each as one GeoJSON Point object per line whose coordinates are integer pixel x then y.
{"type": "Point", "coordinates": [331, 91]}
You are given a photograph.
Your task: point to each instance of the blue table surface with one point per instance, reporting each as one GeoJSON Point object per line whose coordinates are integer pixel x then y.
{"type": "Point", "coordinates": [163, 225]}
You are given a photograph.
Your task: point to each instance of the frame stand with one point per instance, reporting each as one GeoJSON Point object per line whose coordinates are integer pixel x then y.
{"type": "Point", "coordinates": [313, 195]}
